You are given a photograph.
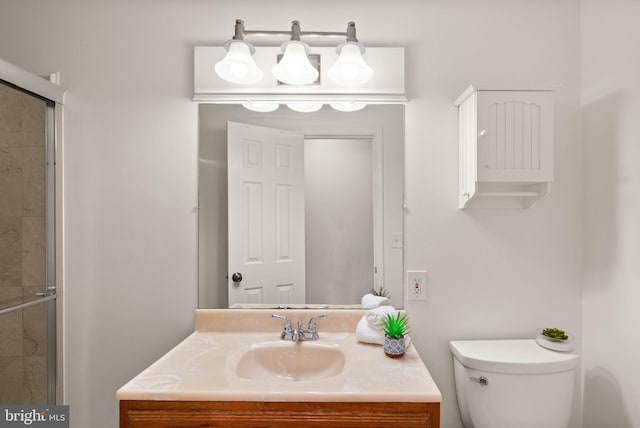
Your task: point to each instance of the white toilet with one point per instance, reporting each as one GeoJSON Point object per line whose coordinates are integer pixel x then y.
{"type": "Point", "coordinates": [513, 384]}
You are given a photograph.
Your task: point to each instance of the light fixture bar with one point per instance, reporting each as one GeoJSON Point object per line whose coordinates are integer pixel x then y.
{"type": "Point", "coordinates": [302, 33]}
{"type": "Point", "coordinates": [298, 32]}
{"type": "Point", "coordinates": [295, 33]}
{"type": "Point", "coordinates": [350, 34]}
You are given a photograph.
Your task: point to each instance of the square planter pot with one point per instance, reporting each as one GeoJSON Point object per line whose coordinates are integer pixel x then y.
{"type": "Point", "coordinates": [394, 348]}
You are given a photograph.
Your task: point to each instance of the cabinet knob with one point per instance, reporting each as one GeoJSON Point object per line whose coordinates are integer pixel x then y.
{"type": "Point", "coordinates": [482, 132]}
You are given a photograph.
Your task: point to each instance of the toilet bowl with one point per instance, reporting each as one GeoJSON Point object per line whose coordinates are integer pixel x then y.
{"type": "Point", "coordinates": [513, 384]}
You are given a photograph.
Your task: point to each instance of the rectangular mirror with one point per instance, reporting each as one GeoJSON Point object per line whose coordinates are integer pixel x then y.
{"type": "Point", "coordinates": [300, 208]}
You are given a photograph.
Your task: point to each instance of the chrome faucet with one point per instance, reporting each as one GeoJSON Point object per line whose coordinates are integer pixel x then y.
{"type": "Point", "coordinates": [299, 333]}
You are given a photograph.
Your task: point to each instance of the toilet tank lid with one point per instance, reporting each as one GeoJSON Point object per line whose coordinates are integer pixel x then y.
{"type": "Point", "coordinates": [511, 356]}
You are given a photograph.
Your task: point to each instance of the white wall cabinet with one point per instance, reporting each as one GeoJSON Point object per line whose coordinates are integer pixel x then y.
{"type": "Point", "coordinates": [506, 147]}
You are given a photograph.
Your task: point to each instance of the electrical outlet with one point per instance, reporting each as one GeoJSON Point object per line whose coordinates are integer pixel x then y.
{"type": "Point", "coordinates": [398, 240]}
{"type": "Point", "coordinates": [416, 283]}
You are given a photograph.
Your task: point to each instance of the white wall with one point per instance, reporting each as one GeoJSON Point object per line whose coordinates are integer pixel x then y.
{"type": "Point", "coordinates": [130, 175]}
{"type": "Point", "coordinates": [130, 183]}
{"type": "Point", "coordinates": [492, 274]}
{"type": "Point", "coordinates": [611, 108]}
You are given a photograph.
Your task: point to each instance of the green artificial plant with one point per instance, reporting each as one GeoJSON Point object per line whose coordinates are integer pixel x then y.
{"type": "Point", "coordinates": [554, 333]}
{"type": "Point", "coordinates": [395, 326]}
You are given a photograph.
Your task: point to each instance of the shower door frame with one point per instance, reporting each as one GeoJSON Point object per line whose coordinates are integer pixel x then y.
{"type": "Point", "coordinates": [47, 88]}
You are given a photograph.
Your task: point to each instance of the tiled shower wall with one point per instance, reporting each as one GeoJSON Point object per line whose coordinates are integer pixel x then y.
{"type": "Point", "coordinates": [22, 247]}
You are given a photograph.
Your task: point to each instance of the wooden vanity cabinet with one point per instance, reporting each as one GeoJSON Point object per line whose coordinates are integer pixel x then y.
{"type": "Point", "coordinates": [246, 414]}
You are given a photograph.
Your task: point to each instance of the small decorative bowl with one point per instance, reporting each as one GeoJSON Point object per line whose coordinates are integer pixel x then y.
{"type": "Point", "coordinates": [555, 344]}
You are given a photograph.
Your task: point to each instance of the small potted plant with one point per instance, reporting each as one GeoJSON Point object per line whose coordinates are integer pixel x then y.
{"type": "Point", "coordinates": [382, 292]}
{"type": "Point", "coordinates": [395, 327]}
{"type": "Point", "coordinates": [554, 334]}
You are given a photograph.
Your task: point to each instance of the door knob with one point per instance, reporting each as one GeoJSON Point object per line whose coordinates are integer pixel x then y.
{"type": "Point", "coordinates": [236, 277]}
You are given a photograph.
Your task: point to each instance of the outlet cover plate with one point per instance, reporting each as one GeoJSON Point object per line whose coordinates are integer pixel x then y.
{"type": "Point", "coordinates": [416, 285]}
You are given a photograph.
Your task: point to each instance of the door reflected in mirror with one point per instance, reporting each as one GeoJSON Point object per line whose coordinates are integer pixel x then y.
{"type": "Point", "coordinates": [306, 207]}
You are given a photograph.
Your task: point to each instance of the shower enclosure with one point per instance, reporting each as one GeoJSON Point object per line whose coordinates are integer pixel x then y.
{"type": "Point", "coordinates": [27, 244]}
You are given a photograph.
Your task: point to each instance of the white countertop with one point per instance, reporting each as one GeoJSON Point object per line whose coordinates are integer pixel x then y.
{"type": "Point", "coordinates": [200, 368]}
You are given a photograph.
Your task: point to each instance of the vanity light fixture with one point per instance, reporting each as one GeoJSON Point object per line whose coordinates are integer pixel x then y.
{"type": "Point", "coordinates": [294, 68]}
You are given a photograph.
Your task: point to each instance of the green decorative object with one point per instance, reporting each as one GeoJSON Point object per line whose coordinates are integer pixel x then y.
{"type": "Point", "coordinates": [395, 327]}
{"type": "Point", "coordinates": [554, 334]}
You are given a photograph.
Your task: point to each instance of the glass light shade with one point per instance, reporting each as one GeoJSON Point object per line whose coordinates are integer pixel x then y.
{"type": "Point", "coordinates": [348, 106]}
{"type": "Point", "coordinates": [350, 68]}
{"type": "Point", "coordinates": [237, 66]}
{"type": "Point", "coordinates": [294, 68]}
{"type": "Point", "coordinates": [302, 107]}
{"type": "Point", "coordinates": [261, 106]}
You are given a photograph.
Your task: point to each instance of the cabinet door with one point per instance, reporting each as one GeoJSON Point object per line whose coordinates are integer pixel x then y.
{"type": "Point", "coordinates": [244, 414]}
{"type": "Point", "coordinates": [515, 136]}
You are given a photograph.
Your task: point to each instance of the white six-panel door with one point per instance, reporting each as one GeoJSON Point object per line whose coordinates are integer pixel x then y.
{"type": "Point", "coordinates": [266, 214]}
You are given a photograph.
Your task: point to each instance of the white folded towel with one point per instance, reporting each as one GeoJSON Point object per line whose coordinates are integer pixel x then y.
{"type": "Point", "coordinates": [369, 328]}
{"type": "Point", "coordinates": [370, 301]}
{"type": "Point", "coordinates": [375, 317]}
{"type": "Point", "coordinates": [367, 334]}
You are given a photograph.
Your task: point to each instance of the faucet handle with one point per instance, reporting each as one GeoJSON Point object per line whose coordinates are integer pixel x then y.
{"type": "Point", "coordinates": [286, 321]}
{"type": "Point", "coordinates": [312, 322]}
{"type": "Point", "coordinates": [283, 318]}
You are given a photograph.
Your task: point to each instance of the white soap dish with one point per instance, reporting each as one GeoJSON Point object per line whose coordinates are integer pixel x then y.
{"type": "Point", "coordinates": [555, 344]}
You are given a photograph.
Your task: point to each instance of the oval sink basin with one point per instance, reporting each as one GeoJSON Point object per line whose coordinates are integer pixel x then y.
{"type": "Point", "coordinates": [289, 361]}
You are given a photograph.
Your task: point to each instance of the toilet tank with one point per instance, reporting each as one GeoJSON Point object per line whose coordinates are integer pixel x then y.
{"type": "Point", "coordinates": [513, 384]}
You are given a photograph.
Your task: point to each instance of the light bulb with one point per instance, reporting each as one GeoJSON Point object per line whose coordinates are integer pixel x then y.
{"type": "Point", "coordinates": [237, 66]}
{"type": "Point", "coordinates": [348, 106]}
{"type": "Point", "coordinates": [261, 106]}
{"type": "Point", "coordinates": [294, 68]}
{"type": "Point", "coordinates": [305, 107]}
{"type": "Point", "coordinates": [350, 68]}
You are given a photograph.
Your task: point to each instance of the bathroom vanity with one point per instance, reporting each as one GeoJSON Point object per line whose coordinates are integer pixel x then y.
{"type": "Point", "coordinates": [236, 371]}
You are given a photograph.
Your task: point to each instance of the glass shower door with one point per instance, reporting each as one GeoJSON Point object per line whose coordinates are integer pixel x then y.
{"type": "Point", "coordinates": [27, 250]}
